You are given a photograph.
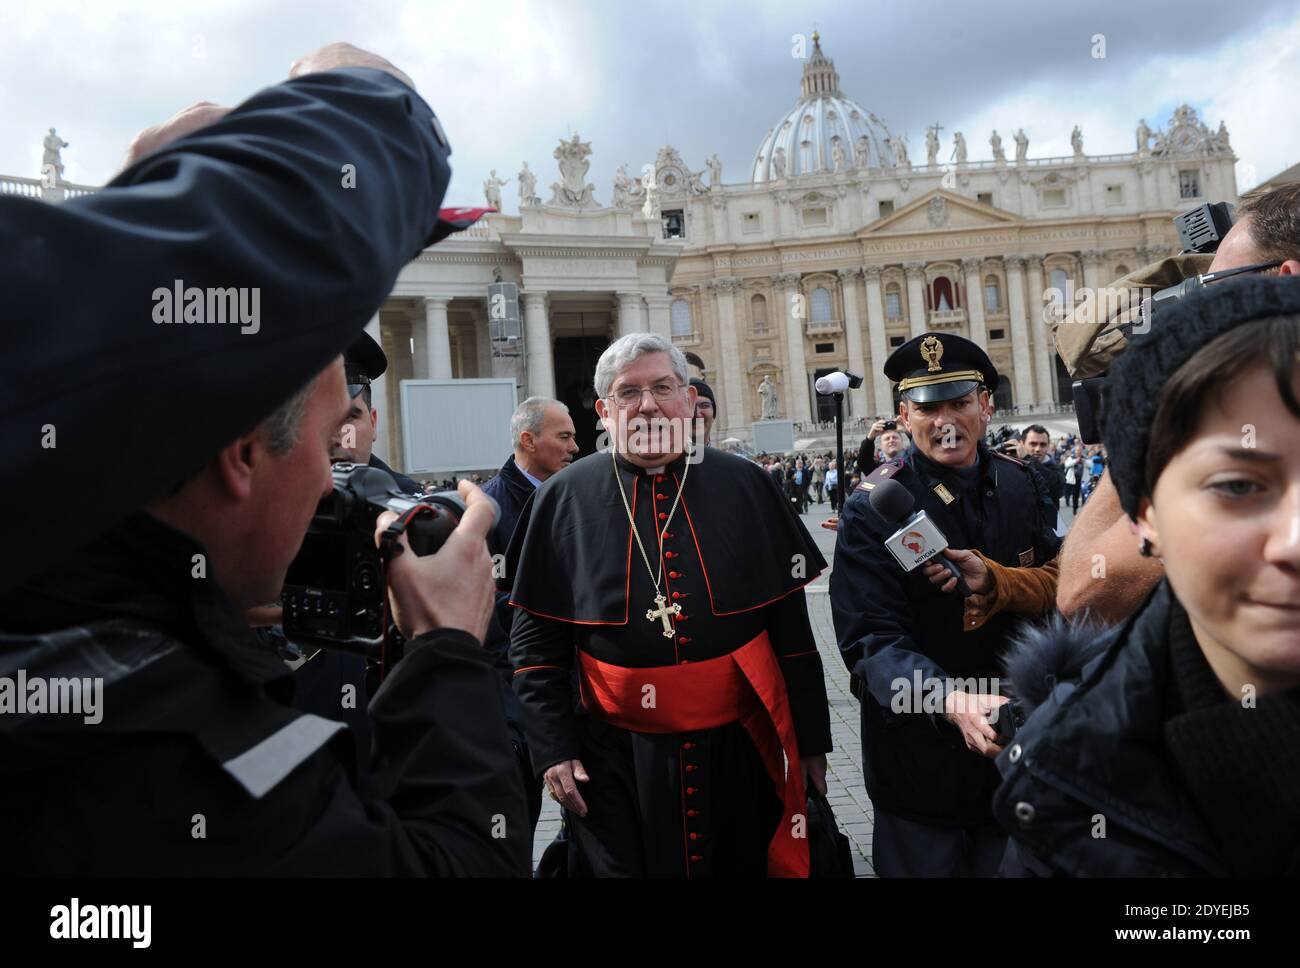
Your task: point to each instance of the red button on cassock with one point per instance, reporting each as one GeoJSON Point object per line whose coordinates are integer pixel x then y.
{"type": "Point", "coordinates": [659, 478]}
{"type": "Point", "coordinates": [683, 639]}
{"type": "Point", "coordinates": [691, 767]}
{"type": "Point", "coordinates": [683, 617]}
{"type": "Point", "coordinates": [695, 836]}
{"type": "Point", "coordinates": [685, 662]}
{"type": "Point", "coordinates": [674, 574]}
{"type": "Point", "coordinates": [690, 791]}
{"type": "Point", "coordinates": [662, 497]}
{"type": "Point", "coordinates": [696, 858]}
{"type": "Point", "coordinates": [677, 595]}
{"type": "Point", "coordinates": [663, 515]}
{"type": "Point", "coordinates": [692, 813]}
{"type": "Point", "coordinates": [688, 745]}
{"type": "Point", "coordinates": [670, 554]}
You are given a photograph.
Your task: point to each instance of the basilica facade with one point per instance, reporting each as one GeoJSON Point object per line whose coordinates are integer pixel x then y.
{"type": "Point", "coordinates": [835, 247]}
{"type": "Point", "coordinates": [832, 248]}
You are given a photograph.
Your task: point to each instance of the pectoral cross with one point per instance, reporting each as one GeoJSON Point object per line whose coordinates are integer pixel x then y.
{"type": "Point", "coordinates": [662, 612]}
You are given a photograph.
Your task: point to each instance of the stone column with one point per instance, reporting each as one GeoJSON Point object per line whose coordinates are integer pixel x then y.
{"type": "Point", "coordinates": [420, 349]}
{"type": "Point", "coordinates": [1044, 348]}
{"type": "Point", "coordinates": [979, 333]}
{"type": "Point", "coordinates": [916, 296]}
{"type": "Point", "coordinates": [797, 404]}
{"type": "Point", "coordinates": [853, 331]}
{"type": "Point", "coordinates": [438, 337]}
{"type": "Point", "coordinates": [379, 396]}
{"type": "Point", "coordinates": [876, 333]}
{"type": "Point", "coordinates": [1093, 260]}
{"type": "Point", "coordinates": [537, 331]}
{"type": "Point", "coordinates": [732, 417]}
{"type": "Point", "coordinates": [482, 341]}
{"type": "Point", "coordinates": [629, 313]}
{"type": "Point", "coordinates": [659, 315]}
{"type": "Point", "coordinates": [1022, 382]}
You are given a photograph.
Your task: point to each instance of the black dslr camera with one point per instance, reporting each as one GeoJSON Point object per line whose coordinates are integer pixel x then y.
{"type": "Point", "coordinates": [335, 595]}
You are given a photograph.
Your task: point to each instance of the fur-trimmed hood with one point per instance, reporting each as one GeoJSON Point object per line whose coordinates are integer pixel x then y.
{"type": "Point", "coordinates": [1045, 655]}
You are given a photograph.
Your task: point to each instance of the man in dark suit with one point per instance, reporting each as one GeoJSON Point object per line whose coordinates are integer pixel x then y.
{"type": "Point", "coordinates": [545, 443]}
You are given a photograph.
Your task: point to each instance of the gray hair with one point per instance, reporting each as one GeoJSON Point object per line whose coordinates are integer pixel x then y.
{"type": "Point", "coordinates": [628, 348]}
{"type": "Point", "coordinates": [282, 426]}
{"type": "Point", "coordinates": [528, 416]}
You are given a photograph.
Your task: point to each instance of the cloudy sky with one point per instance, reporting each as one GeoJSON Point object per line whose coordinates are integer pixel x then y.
{"type": "Point", "coordinates": [510, 79]}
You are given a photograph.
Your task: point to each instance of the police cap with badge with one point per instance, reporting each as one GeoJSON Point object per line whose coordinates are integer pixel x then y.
{"type": "Point", "coordinates": [934, 367]}
{"type": "Point", "coordinates": [363, 362]}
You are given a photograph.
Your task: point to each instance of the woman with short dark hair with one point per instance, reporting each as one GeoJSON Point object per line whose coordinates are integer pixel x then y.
{"type": "Point", "coordinates": [1170, 745]}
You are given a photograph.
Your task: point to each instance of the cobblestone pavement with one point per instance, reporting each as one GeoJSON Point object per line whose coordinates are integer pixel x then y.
{"type": "Point", "coordinates": [844, 787]}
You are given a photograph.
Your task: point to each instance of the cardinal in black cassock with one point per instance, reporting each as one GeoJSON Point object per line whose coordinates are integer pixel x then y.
{"type": "Point", "coordinates": [701, 710]}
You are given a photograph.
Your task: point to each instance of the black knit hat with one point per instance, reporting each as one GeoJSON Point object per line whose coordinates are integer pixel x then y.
{"type": "Point", "coordinates": [704, 390]}
{"type": "Point", "coordinates": [1177, 332]}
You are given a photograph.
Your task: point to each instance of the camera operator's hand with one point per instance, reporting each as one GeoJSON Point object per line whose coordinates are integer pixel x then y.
{"type": "Point", "coordinates": [336, 55]}
{"type": "Point", "coordinates": [452, 589]}
{"type": "Point", "coordinates": [970, 713]}
{"type": "Point", "coordinates": [877, 429]}
{"type": "Point", "coordinates": [183, 122]}
{"type": "Point", "coordinates": [978, 577]}
{"type": "Point", "coordinates": [562, 781]}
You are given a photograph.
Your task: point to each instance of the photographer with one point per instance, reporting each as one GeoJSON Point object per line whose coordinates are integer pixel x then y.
{"type": "Point", "coordinates": [1267, 230]}
{"type": "Point", "coordinates": [194, 763]}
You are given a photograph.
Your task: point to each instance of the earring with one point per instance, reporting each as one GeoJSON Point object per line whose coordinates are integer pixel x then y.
{"type": "Point", "coordinates": [1145, 549]}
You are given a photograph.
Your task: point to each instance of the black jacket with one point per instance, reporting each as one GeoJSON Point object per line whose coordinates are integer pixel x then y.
{"type": "Point", "coordinates": [895, 627]}
{"type": "Point", "coordinates": [405, 484]}
{"type": "Point", "coordinates": [199, 765]}
{"type": "Point", "coordinates": [1092, 785]}
{"type": "Point", "coordinates": [511, 490]}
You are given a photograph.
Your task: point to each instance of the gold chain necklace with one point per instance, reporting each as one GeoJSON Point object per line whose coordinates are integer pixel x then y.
{"type": "Point", "coordinates": [663, 610]}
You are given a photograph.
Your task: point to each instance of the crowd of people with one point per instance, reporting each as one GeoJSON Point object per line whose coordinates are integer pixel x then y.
{"type": "Point", "coordinates": [626, 631]}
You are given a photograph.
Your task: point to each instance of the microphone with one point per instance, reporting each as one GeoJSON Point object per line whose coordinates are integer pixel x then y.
{"type": "Point", "coordinates": [918, 539]}
{"type": "Point", "coordinates": [837, 382]}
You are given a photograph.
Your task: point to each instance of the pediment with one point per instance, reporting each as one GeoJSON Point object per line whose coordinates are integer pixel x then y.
{"type": "Point", "coordinates": [941, 211]}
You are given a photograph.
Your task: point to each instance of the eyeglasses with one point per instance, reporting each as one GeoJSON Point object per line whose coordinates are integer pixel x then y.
{"type": "Point", "coordinates": [627, 397]}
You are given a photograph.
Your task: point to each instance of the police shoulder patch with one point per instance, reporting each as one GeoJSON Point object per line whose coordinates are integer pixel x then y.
{"type": "Point", "coordinates": [888, 469]}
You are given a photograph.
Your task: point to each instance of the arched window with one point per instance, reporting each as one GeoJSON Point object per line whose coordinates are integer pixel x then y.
{"type": "Point", "coordinates": [992, 295]}
{"type": "Point", "coordinates": [1059, 280]}
{"type": "Point", "coordinates": [1121, 271]}
{"type": "Point", "coordinates": [758, 312]}
{"type": "Point", "coordinates": [820, 308]}
{"type": "Point", "coordinates": [942, 295]}
{"type": "Point", "coordinates": [893, 302]}
{"type": "Point", "coordinates": [680, 315]}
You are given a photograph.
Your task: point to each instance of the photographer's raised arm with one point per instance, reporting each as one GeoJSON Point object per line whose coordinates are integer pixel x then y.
{"type": "Point", "coordinates": [272, 234]}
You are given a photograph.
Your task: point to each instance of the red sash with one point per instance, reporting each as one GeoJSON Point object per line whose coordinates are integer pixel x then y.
{"type": "Point", "coordinates": [745, 686]}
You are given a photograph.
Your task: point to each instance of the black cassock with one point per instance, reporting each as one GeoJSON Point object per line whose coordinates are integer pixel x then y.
{"type": "Point", "coordinates": [668, 804]}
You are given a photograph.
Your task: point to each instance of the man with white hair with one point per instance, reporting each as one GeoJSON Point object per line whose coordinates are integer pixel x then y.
{"type": "Point", "coordinates": [545, 441]}
{"type": "Point", "coordinates": [670, 579]}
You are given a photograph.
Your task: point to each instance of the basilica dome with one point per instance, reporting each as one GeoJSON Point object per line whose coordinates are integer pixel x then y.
{"type": "Point", "coordinates": [805, 139]}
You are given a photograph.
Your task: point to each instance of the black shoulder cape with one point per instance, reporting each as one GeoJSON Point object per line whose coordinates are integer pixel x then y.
{"type": "Point", "coordinates": [573, 553]}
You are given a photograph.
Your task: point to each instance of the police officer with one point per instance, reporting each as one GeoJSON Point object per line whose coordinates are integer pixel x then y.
{"type": "Point", "coordinates": [927, 679]}
{"type": "Point", "coordinates": [363, 362]}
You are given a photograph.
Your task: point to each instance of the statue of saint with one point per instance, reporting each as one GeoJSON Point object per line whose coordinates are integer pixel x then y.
{"type": "Point", "coordinates": [959, 148]}
{"type": "Point", "coordinates": [1076, 141]}
{"type": "Point", "coordinates": [861, 152]}
{"type": "Point", "coordinates": [1143, 136]}
{"type": "Point", "coordinates": [51, 162]}
{"type": "Point", "coordinates": [492, 190]}
{"type": "Point", "coordinates": [838, 157]}
{"type": "Point", "coordinates": [767, 398]}
{"type": "Point", "coordinates": [651, 188]}
{"type": "Point", "coordinates": [999, 155]}
{"type": "Point", "coordinates": [932, 145]}
{"type": "Point", "coordinates": [527, 187]}
{"type": "Point", "coordinates": [1022, 146]}
{"type": "Point", "coordinates": [715, 170]}
{"type": "Point", "coordinates": [778, 162]}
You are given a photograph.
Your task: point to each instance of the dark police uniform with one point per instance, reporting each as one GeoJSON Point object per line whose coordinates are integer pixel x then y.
{"type": "Point", "coordinates": [931, 794]}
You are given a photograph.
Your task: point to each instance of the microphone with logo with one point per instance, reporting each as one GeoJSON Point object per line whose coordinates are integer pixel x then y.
{"type": "Point", "coordinates": [918, 539]}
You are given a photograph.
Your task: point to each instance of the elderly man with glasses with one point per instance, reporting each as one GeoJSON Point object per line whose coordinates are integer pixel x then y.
{"type": "Point", "coordinates": [667, 579]}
